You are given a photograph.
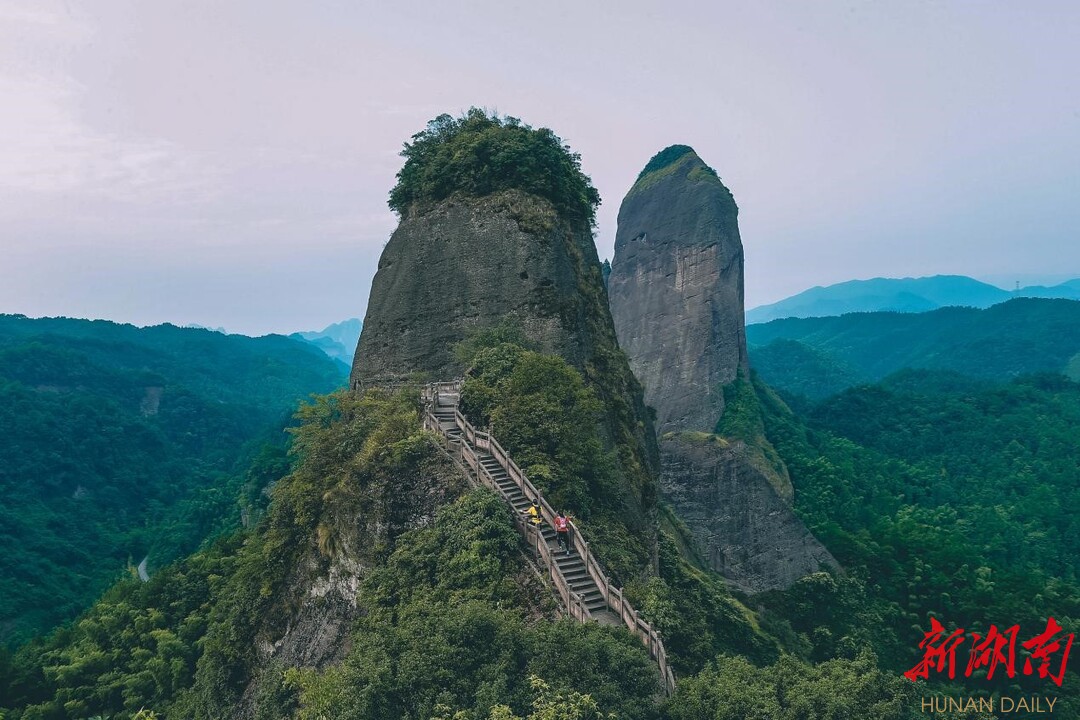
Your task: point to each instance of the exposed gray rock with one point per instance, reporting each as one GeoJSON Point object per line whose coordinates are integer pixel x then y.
{"type": "Point", "coordinates": [741, 525]}
{"type": "Point", "coordinates": [465, 264]}
{"type": "Point", "coordinates": [676, 291]}
{"type": "Point", "coordinates": [321, 590]}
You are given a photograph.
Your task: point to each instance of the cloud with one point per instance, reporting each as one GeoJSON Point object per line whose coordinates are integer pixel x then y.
{"type": "Point", "coordinates": [46, 146]}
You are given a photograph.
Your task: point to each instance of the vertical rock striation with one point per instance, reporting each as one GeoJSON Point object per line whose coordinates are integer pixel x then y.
{"type": "Point", "coordinates": [676, 289]}
{"type": "Point", "coordinates": [466, 257]}
{"type": "Point", "coordinates": [468, 263]}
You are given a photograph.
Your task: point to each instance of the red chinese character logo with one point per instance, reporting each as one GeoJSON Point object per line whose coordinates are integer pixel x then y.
{"type": "Point", "coordinates": [936, 652]}
{"type": "Point", "coordinates": [1043, 649]}
{"type": "Point", "coordinates": [988, 653]}
{"type": "Point", "coordinates": [997, 648]}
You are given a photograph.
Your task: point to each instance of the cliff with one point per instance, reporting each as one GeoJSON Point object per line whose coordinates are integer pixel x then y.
{"type": "Point", "coordinates": [742, 524]}
{"type": "Point", "coordinates": [676, 289]}
{"type": "Point", "coordinates": [468, 263]}
{"type": "Point", "coordinates": [483, 244]}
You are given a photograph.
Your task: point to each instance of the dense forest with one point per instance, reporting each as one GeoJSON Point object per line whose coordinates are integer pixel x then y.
{"type": "Point", "coordinates": [186, 643]}
{"type": "Point", "coordinates": [453, 624]}
{"type": "Point", "coordinates": [328, 559]}
{"type": "Point", "coordinates": [121, 443]}
{"type": "Point", "coordinates": [942, 495]}
{"type": "Point", "coordinates": [816, 357]}
{"type": "Point", "coordinates": [479, 154]}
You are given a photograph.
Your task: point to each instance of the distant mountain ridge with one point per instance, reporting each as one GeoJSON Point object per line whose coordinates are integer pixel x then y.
{"type": "Point", "coordinates": [337, 340]}
{"type": "Point", "coordinates": [902, 295]}
{"type": "Point", "coordinates": [119, 442]}
{"type": "Point", "coordinates": [817, 357]}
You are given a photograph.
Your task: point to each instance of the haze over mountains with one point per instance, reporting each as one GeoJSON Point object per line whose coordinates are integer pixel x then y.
{"type": "Point", "coordinates": [787, 554]}
{"type": "Point", "coordinates": [816, 357]}
{"type": "Point", "coordinates": [902, 295]}
{"type": "Point", "coordinates": [337, 340]}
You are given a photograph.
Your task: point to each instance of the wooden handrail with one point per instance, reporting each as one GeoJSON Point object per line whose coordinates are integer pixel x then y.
{"type": "Point", "coordinates": [613, 597]}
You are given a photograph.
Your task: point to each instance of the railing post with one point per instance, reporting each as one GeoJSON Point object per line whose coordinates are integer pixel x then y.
{"type": "Point", "coordinates": [465, 451]}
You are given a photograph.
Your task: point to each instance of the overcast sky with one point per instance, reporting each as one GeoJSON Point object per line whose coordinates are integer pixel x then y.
{"type": "Point", "coordinates": [227, 163]}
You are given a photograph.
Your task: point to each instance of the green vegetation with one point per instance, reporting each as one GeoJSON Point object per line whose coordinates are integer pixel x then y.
{"type": "Point", "coordinates": [120, 443]}
{"type": "Point", "coordinates": [743, 420]}
{"type": "Point", "coordinates": [1022, 336]}
{"type": "Point", "coordinates": [135, 648]}
{"type": "Point", "coordinates": [545, 416]}
{"type": "Point", "coordinates": [668, 160]}
{"type": "Point", "coordinates": [801, 372]}
{"type": "Point", "coordinates": [734, 689]}
{"type": "Point", "coordinates": [478, 154]}
{"type": "Point", "coordinates": [696, 615]}
{"type": "Point", "coordinates": [451, 623]}
{"type": "Point", "coordinates": [665, 159]}
{"type": "Point", "coordinates": [445, 631]}
{"type": "Point", "coordinates": [941, 496]}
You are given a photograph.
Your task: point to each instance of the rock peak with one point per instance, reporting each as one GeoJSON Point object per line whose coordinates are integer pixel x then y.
{"type": "Point", "coordinates": [667, 157]}
{"type": "Point", "coordinates": [681, 164]}
{"type": "Point", "coordinates": [676, 288]}
{"type": "Point", "coordinates": [676, 293]}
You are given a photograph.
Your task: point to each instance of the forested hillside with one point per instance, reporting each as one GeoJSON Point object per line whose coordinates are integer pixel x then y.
{"type": "Point", "coordinates": [120, 443]}
{"type": "Point", "coordinates": [449, 621]}
{"type": "Point", "coordinates": [816, 357]}
{"type": "Point", "coordinates": [941, 495]}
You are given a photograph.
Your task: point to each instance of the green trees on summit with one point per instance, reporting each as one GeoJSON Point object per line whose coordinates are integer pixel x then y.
{"type": "Point", "coordinates": [478, 154]}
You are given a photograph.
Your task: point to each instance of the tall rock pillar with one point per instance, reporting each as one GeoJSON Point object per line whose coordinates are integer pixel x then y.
{"type": "Point", "coordinates": [676, 293]}
{"type": "Point", "coordinates": [676, 288]}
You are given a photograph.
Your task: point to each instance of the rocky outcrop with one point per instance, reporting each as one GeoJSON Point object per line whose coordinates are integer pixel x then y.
{"type": "Point", "coordinates": [320, 592]}
{"type": "Point", "coordinates": [676, 289]}
{"type": "Point", "coordinates": [742, 525]}
{"type": "Point", "coordinates": [467, 264]}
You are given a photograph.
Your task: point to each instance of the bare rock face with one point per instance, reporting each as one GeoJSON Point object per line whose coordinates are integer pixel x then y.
{"type": "Point", "coordinates": [676, 289]}
{"type": "Point", "coordinates": [743, 527]}
{"type": "Point", "coordinates": [467, 263]}
{"type": "Point", "coordinates": [321, 590]}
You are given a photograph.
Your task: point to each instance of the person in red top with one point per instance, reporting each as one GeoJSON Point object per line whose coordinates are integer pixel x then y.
{"type": "Point", "coordinates": [562, 530]}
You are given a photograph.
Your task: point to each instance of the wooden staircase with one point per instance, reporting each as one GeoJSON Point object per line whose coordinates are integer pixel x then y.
{"type": "Point", "coordinates": [578, 578]}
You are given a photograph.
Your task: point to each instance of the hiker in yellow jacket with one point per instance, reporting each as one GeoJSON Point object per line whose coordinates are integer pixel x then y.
{"type": "Point", "coordinates": [534, 514]}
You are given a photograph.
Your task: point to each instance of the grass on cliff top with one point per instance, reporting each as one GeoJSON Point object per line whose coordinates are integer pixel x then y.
{"type": "Point", "coordinates": [670, 159]}
{"type": "Point", "coordinates": [479, 154]}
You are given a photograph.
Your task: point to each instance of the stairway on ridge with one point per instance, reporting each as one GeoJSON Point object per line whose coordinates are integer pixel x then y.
{"type": "Point", "coordinates": [572, 566]}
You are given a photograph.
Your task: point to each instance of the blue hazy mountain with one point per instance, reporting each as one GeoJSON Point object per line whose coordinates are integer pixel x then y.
{"type": "Point", "coordinates": [817, 357]}
{"type": "Point", "coordinates": [906, 295]}
{"type": "Point", "coordinates": [337, 340]}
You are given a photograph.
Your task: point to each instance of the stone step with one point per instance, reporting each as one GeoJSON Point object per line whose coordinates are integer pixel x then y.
{"type": "Point", "coordinates": [577, 575]}
{"type": "Point", "coordinates": [571, 566]}
{"type": "Point", "coordinates": [596, 605]}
